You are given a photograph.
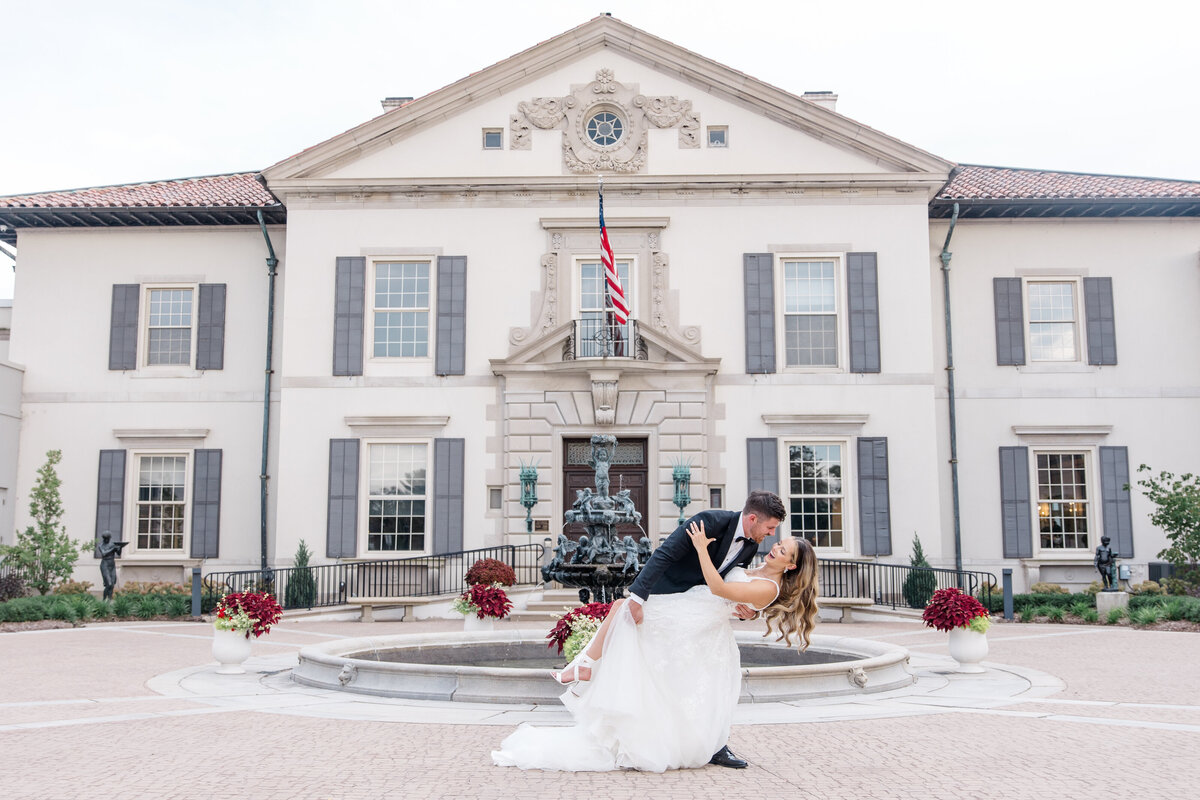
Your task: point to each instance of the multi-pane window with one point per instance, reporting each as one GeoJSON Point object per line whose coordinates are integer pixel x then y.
{"type": "Point", "coordinates": [815, 493]}
{"type": "Point", "coordinates": [810, 313]}
{"type": "Point", "coordinates": [1062, 501]}
{"type": "Point", "coordinates": [396, 497]}
{"type": "Point", "coordinates": [401, 309]}
{"type": "Point", "coordinates": [161, 502]}
{"type": "Point", "coordinates": [169, 327]}
{"type": "Point", "coordinates": [595, 328]}
{"type": "Point", "coordinates": [1052, 321]}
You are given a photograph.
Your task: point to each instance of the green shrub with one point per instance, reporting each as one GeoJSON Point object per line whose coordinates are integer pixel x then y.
{"type": "Point", "coordinates": [1047, 588]}
{"type": "Point", "coordinates": [1175, 609]}
{"type": "Point", "coordinates": [301, 589]}
{"type": "Point", "coordinates": [1147, 587]}
{"type": "Point", "coordinates": [1115, 615]}
{"type": "Point", "coordinates": [178, 605]}
{"type": "Point", "coordinates": [23, 609]}
{"type": "Point", "coordinates": [1094, 588]}
{"type": "Point", "coordinates": [1079, 607]}
{"type": "Point", "coordinates": [82, 605]}
{"type": "Point", "coordinates": [1090, 615]}
{"type": "Point", "coordinates": [102, 609]}
{"type": "Point", "coordinates": [921, 581]}
{"type": "Point", "coordinates": [1055, 614]}
{"type": "Point", "coordinates": [148, 606]}
{"type": "Point", "coordinates": [122, 605]}
{"type": "Point", "coordinates": [1146, 616]}
{"type": "Point", "coordinates": [61, 609]}
{"type": "Point", "coordinates": [1027, 614]}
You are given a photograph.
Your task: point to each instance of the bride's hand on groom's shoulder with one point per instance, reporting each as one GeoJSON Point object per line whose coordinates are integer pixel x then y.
{"type": "Point", "coordinates": [695, 532]}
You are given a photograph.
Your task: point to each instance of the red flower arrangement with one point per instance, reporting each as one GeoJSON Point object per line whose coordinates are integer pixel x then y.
{"type": "Point", "coordinates": [490, 570]}
{"type": "Point", "coordinates": [950, 609]}
{"type": "Point", "coordinates": [485, 601]}
{"type": "Point", "coordinates": [252, 612]}
{"type": "Point", "coordinates": [562, 631]}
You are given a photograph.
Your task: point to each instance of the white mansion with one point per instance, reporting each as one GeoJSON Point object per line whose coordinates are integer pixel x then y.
{"type": "Point", "coordinates": [430, 327]}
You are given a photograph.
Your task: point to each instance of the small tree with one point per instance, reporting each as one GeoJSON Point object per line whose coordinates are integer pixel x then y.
{"type": "Point", "coordinates": [301, 591]}
{"type": "Point", "coordinates": [1177, 513]}
{"type": "Point", "coordinates": [920, 584]}
{"type": "Point", "coordinates": [43, 554]}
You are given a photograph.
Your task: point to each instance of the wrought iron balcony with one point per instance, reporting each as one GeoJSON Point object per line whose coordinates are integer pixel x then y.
{"type": "Point", "coordinates": [593, 338]}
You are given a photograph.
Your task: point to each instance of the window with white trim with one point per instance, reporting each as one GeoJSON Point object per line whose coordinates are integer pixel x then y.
{"type": "Point", "coordinates": [161, 507]}
{"type": "Point", "coordinates": [1053, 328]}
{"type": "Point", "coordinates": [810, 312]}
{"type": "Point", "coordinates": [592, 315]}
{"type": "Point", "coordinates": [816, 492]}
{"type": "Point", "coordinates": [400, 305]}
{"type": "Point", "coordinates": [1063, 500]}
{"type": "Point", "coordinates": [397, 497]}
{"type": "Point", "coordinates": [169, 331]}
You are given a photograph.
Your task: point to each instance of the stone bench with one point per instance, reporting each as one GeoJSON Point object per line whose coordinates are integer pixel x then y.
{"type": "Point", "coordinates": [846, 604]}
{"type": "Point", "coordinates": [368, 605]}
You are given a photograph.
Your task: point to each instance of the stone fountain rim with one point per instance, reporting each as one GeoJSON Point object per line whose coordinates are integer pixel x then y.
{"type": "Point", "coordinates": [872, 654]}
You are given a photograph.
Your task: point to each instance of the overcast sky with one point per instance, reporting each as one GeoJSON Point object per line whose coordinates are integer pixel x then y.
{"type": "Point", "coordinates": [121, 91]}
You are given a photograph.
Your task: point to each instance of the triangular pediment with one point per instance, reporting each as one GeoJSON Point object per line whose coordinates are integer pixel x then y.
{"type": "Point", "coordinates": [669, 93]}
{"type": "Point", "coordinates": [556, 351]}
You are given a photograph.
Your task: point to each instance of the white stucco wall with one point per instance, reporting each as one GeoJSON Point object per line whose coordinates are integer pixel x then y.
{"type": "Point", "coordinates": [1150, 398]}
{"type": "Point", "coordinates": [73, 402]}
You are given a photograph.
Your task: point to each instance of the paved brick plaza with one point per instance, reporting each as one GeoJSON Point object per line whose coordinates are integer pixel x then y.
{"type": "Point", "coordinates": [106, 711]}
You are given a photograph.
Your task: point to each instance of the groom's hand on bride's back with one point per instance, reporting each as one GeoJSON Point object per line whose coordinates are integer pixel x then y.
{"type": "Point", "coordinates": [743, 611]}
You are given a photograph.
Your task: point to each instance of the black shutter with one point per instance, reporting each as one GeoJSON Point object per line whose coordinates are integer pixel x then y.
{"type": "Point", "coordinates": [210, 331]}
{"type": "Point", "coordinates": [1010, 321]}
{"type": "Point", "coordinates": [1118, 517]}
{"type": "Point", "coordinates": [123, 327]}
{"type": "Point", "coordinates": [1101, 321]}
{"type": "Point", "coordinates": [349, 298]}
{"type": "Point", "coordinates": [110, 496]}
{"type": "Point", "coordinates": [451, 315]}
{"type": "Point", "coordinates": [762, 472]}
{"type": "Point", "coordinates": [206, 504]}
{"type": "Point", "coordinates": [862, 283]}
{"type": "Point", "coordinates": [341, 532]}
{"type": "Point", "coordinates": [448, 495]}
{"type": "Point", "coordinates": [875, 516]}
{"type": "Point", "coordinates": [759, 279]}
{"type": "Point", "coordinates": [1015, 509]}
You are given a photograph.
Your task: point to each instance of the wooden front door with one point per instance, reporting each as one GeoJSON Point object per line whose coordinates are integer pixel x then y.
{"type": "Point", "coordinates": [628, 471]}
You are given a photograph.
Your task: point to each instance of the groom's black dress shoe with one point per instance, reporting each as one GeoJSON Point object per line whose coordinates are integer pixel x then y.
{"type": "Point", "coordinates": [725, 758]}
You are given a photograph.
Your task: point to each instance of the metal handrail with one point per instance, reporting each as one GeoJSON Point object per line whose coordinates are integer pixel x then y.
{"type": "Point", "coordinates": [885, 584]}
{"type": "Point", "coordinates": [331, 584]}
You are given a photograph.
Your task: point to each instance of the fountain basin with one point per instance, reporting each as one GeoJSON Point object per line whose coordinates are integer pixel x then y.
{"type": "Point", "coordinates": [491, 667]}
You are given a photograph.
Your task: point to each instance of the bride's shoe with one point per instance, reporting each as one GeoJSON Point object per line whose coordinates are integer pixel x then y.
{"type": "Point", "coordinates": [581, 661]}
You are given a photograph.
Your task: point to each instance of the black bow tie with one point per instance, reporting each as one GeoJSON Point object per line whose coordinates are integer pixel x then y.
{"type": "Point", "coordinates": [742, 539]}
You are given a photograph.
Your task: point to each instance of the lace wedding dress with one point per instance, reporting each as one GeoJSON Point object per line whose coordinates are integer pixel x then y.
{"type": "Point", "coordinates": [661, 697]}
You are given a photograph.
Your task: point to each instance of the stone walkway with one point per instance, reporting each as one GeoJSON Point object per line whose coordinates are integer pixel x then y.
{"type": "Point", "coordinates": [135, 710]}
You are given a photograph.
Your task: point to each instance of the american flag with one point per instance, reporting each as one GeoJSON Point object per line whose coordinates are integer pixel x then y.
{"type": "Point", "coordinates": [616, 295]}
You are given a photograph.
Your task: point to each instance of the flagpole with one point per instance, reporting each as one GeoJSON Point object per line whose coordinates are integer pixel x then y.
{"type": "Point", "coordinates": [609, 321]}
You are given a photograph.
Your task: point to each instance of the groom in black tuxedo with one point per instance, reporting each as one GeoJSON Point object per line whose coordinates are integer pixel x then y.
{"type": "Point", "coordinates": [675, 567]}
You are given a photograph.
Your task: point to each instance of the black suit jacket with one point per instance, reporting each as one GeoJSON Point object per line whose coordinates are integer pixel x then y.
{"type": "Point", "coordinates": [675, 567]}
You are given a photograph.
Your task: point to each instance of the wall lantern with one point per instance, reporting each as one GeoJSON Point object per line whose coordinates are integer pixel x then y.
{"type": "Point", "coordinates": [529, 498]}
{"type": "Point", "coordinates": [682, 475]}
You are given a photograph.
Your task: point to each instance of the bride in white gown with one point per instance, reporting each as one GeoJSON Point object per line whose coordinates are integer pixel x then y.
{"type": "Point", "coordinates": [664, 693]}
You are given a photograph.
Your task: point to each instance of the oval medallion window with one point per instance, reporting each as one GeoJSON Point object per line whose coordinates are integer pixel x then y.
{"type": "Point", "coordinates": [605, 128]}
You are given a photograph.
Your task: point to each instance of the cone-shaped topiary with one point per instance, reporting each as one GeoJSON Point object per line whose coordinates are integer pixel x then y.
{"type": "Point", "coordinates": [920, 583]}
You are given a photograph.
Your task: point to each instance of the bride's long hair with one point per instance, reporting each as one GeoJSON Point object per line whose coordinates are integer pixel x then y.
{"type": "Point", "coordinates": [795, 610]}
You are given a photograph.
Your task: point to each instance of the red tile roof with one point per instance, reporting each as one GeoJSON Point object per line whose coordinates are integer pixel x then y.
{"type": "Point", "coordinates": [238, 189]}
{"type": "Point", "coordinates": [975, 182]}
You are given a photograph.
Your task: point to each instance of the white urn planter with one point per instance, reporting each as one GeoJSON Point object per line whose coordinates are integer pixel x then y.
{"type": "Point", "coordinates": [968, 648]}
{"type": "Point", "coordinates": [472, 622]}
{"type": "Point", "coordinates": [230, 649]}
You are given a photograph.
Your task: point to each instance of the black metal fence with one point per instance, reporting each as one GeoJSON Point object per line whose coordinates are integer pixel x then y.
{"type": "Point", "coordinates": [896, 585]}
{"type": "Point", "coordinates": [332, 584]}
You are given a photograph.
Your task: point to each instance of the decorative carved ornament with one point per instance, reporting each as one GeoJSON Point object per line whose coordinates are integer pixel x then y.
{"type": "Point", "coordinates": [604, 124]}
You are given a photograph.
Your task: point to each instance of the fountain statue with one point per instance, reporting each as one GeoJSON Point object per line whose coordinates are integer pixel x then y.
{"type": "Point", "coordinates": [600, 565]}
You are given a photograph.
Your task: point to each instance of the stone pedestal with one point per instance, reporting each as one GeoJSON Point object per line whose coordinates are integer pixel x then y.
{"type": "Point", "coordinates": [1107, 601]}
